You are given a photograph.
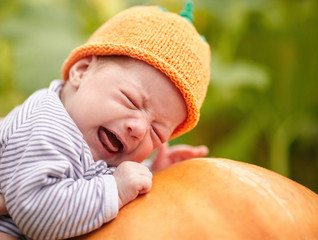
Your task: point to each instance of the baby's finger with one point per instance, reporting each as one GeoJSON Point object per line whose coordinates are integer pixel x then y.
{"type": "Point", "coordinates": [146, 185]}
{"type": "Point", "coordinates": [202, 150]}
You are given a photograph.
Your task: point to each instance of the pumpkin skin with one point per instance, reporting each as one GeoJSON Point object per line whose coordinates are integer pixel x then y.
{"type": "Point", "coordinates": [211, 198]}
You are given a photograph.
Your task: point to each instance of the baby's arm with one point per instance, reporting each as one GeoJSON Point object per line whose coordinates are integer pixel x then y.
{"type": "Point", "coordinates": [47, 200]}
{"type": "Point", "coordinates": [3, 209]}
{"type": "Point", "coordinates": [64, 207]}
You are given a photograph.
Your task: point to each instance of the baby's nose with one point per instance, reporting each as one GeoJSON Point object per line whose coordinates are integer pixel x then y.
{"type": "Point", "coordinates": [137, 128]}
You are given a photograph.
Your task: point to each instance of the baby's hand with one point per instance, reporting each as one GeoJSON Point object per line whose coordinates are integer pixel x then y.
{"type": "Point", "coordinates": [132, 179]}
{"type": "Point", "coordinates": [3, 209]}
{"type": "Point", "coordinates": [166, 156]}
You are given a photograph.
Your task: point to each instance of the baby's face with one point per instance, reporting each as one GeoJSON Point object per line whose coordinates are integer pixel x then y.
{"type": "Point", "coordinates": [125, 108]}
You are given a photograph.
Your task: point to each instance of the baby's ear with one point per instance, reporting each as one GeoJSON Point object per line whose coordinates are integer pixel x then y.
{"type": "Point", "coordinates": [78, 69]}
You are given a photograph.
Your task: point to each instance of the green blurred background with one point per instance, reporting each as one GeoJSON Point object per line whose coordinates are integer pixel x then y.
{"type": "Point", "coordinates": [262, 104]}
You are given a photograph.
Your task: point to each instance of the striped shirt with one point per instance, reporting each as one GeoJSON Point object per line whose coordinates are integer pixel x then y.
{"type": "Point", "coordinates": [52, 186]}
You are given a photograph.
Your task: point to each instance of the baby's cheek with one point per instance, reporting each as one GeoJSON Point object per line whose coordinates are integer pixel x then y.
{"type": "Point", "coordinates": [143, 152]}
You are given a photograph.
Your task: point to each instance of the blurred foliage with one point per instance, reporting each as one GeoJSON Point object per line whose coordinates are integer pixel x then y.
{"type": "Point", "coordinates": [262, 103]}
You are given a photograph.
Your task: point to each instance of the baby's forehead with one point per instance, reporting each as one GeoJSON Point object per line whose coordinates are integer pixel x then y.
{"type": "Point", "coordinates": [137, 71]}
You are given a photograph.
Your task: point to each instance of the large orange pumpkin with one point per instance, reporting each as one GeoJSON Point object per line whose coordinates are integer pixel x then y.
{"type": "Point", "coordinates": [212, 198]}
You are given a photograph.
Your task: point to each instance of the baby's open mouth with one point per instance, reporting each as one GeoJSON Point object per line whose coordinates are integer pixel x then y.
{"type": "Point", "coordinates": [109, 140]}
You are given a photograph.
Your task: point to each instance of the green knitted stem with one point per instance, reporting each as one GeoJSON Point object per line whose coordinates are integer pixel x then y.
{"type": "Point", "coordinates": [187, 11]}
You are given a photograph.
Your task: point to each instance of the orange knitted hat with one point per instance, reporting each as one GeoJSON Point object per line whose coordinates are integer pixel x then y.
{"type": "Point", "coordinates": [165, 40]}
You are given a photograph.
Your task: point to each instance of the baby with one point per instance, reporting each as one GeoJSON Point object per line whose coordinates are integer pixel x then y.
{"type": "Point", "coordinates": [70, 155]}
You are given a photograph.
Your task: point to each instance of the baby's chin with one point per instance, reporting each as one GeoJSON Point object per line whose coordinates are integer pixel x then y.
{"type": "Point", "coordinates": [96, 158]}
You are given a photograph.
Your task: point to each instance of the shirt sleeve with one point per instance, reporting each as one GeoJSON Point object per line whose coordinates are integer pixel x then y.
{"type": "Point", "coordinates": [46, 195]}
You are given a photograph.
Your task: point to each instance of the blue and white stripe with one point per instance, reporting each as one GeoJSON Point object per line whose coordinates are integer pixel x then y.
{"type": "Point", "coordinates": [52, 186]}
